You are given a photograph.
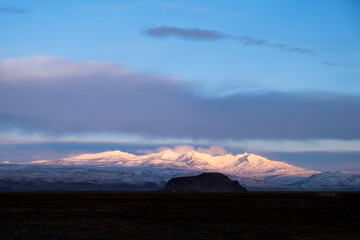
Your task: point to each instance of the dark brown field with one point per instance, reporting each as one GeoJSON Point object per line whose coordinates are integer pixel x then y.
{"type": "Point", "coordinates": [179, 216]}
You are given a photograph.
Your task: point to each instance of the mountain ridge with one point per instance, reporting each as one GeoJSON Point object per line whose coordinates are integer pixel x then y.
{"type": "Point", "coordinates": [242, 165]}
{"type": "Point", "coordinates": [117, 169]}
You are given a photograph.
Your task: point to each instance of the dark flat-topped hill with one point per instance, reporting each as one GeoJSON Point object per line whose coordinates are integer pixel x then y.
{"type": "Point", "coordinates": [205, 182]}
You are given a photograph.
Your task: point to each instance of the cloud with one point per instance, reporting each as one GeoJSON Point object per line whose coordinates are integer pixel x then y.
{"type": "Point", "coordinates": [335, 64]}
{"type": "Point", "coordinates": [252, 41]}
{"type": "Point", "coordinates": [44, 68]}
{"type": "Point", "coordinates": [181, 149]}
{"type": "Point", "coordinates": [184, 33]}
{"type": "Point", "coordinates": [312, 145]}
{"type": "Point", "coordinates": [165, 31]}
{"type": "Point", "coordinates": [286, 48]}
{"type": "Point", "coordinates": [246, 145]}
{"type": "Point", "coordinates": [74, 98]}
{"type": "Point", "coordinates": [213, 150]}
{"type": "Point", "coordinates": [12, 10]}
{"type": "Point", "coordinates": [246, 40]}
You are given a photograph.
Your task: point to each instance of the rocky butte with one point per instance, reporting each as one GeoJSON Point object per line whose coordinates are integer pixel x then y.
{"type": "Point", "coordinates": [205, 182]}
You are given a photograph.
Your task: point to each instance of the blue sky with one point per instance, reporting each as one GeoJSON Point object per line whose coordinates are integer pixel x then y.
{"type": "Point", "coordinates": [240, 74]}
{"type": "Point", "coordinates": [110, 31]}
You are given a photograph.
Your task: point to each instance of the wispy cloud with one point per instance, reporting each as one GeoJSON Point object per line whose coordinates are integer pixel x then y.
{"type": "Point", "coordinates": [286, 48]}
{"type": "Point", "coordinates": [246, 40]}
{"type": "Point", "coordinates": [336, 64]}
{"type": "Point", "coordinates": [12, 10]}
{"type": "Point", "coordinates": [211, 35]}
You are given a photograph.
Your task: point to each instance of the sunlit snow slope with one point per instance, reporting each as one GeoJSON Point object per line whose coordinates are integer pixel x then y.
{"type": "Point", "coordinates": [121, 171]}
{"type": "Point", "coordinates": [242, 165]}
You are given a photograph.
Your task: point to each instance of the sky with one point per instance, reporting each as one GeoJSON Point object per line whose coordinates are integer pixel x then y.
{"type": "Point", "coordinates": [280, 78]}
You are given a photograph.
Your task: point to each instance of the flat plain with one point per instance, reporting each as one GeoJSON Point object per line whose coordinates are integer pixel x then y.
{"type": "Point", "coordinates": [155, 215]}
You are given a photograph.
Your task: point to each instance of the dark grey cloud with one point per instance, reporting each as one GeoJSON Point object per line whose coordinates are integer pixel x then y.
{"type": "Point", "coordinates": [184, 33]}
{"type": "Point", "coordinates": [212, 35]}
{"type": "Point", "coordinates": [73, 101]}
{"type": "Point", "coordinates": [13, 10]}
{"type": "Point", "coordinates": [335, 64]}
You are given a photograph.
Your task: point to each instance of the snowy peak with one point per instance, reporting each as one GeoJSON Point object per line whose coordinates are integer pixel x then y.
{"type": "Point", "coordinates": [103, 155]}
{"type": "Point", "coordinates": [98, 159]}
{"type": "Point", "coordinates": [256, 166]}
{"type": "Point", "coordinates": [244, 165]}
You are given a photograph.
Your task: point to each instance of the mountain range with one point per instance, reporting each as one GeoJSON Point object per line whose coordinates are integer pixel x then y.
{"type": "Point", "coordinates": [117, 170]}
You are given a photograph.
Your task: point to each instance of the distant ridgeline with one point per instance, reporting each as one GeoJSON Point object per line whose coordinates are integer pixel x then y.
{"type": "Point", "coordinates": [205, 182]}
{"type": "Point", "coordinates": [122, 171]}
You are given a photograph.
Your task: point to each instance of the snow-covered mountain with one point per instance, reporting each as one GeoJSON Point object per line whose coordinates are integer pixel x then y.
{"type": "Point", "coordinates": [334, 180]}
{"type": "Point", "coordinates": [50, 177]}
{"type": "Point", "coordinates": [242, 165]}
{"type": "Point", "coordinates": [117, 170]}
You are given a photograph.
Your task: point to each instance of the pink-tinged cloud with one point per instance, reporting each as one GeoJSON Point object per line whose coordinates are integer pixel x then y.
{"type": "Point", "coordinates": [60, 97]}
{"type": "Point", "coordinates": [44, 68]}
{"type": "Point", "coordinates": [182, 149]}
